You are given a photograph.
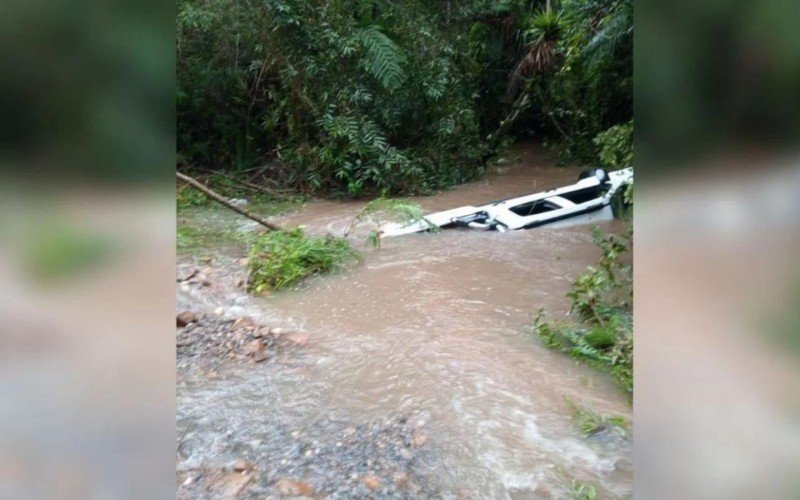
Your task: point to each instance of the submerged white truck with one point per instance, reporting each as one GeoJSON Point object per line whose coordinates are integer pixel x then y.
{"type": "Point", "coordinates": [591, 194]}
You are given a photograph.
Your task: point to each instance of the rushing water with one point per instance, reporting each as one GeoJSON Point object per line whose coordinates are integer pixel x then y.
{"type": "Point", "coordinates": [436, 325]}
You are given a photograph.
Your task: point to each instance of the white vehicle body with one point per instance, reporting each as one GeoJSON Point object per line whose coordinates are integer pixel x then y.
{"type": "Point", "coordinates": [590, 194]}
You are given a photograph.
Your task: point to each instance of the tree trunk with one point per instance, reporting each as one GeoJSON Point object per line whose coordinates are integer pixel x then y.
{"type": "Point", "coordinates": [221, 200]}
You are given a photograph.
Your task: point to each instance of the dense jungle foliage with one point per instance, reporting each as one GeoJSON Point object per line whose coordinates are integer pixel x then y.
{"type": "Point", "coordinates": [352, 97]}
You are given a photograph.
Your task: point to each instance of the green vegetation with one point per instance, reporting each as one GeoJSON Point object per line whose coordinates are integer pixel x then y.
{"type": "Point", "coordinates": [260, 199]}
{"type": "Point", "coordinates": [602, 299]}
{"type": "Point", "coordinates": [382, 209]}
{"type": "Point", "coordinates": [197, 232]}
{"type": "Point", "coordinates": [616, 146]}
{"type": "Point", "coordinates": [194, 240]}
{"type": "Point", "coordinates": [365, 97]}
{"type": "Point", "coordinates": [583, 491]}
{"type": "Point", "coordinates": [280, 259]}
{"type": "Point", "coordinates": [591, 422]}
{"type": "Point", "coordinates": [54, 252]}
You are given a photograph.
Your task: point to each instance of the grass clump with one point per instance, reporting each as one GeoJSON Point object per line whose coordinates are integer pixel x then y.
{"type": "Point", "coordinates": [590, 422]}
{"type": "Point", "coordinates": [280, 259]}
{"type": "Point", "coordinates": [602, 299]}
{"type": "Point", "coordinates": [194, 240]}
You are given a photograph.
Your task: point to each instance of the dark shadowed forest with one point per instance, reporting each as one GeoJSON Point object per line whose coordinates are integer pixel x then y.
{"type": "Point", "coordinates": [360, 97]}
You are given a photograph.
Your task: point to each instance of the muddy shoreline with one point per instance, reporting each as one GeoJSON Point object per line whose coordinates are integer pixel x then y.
{"type": "Point", "coordinates": [333, 457]}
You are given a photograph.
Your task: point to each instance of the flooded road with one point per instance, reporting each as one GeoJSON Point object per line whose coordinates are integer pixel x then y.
{"type": "Point", "coordinates": [433, 329]}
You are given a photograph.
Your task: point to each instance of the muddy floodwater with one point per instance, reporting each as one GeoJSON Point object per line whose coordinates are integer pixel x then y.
{"type": "Point", "coordinates": [416, 375]}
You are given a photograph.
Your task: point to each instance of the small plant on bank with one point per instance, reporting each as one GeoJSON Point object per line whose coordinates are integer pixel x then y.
{"type": "Point", "coordinates": [280, 259]}
{"type": "Point", "coordinates": [602, 299]}
{"type": "Point", "coordinates": [187, 197]}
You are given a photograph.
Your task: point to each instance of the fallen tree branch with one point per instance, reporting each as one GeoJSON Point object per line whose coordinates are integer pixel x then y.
{"type": "Point", "coordinates": [223, 201]}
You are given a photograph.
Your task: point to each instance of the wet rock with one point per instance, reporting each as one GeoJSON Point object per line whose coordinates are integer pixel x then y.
{"type": "Point", "coordinates": [278, 331]}
{"type": "Point", "coordinates": [372, 482]}
{"type": "Point", "coordinates": [400, 478]}
{"type": "Point", "coordinates": [464, 493]}
{"type": "Point", "coordinates": [241, 465]}
{"type": "Point", "coordinates": [214, 483]}
{"type": "Point", "coordinates": [245, 323]}
{"type": "Point", "coordinates": [299, 339]}
{"type": "Point", "coordinates": [294, 487]}
{"type": "Point", "coordinates": [185, 317]}
{"type": "Point", "coordinates": [254, 347]}
{"type": "Point", "coordinates": [419, 439]}
{"type": "Point", "coordinates": [260, 356]}
{"type": "Point", "coordinates": [186, 277]}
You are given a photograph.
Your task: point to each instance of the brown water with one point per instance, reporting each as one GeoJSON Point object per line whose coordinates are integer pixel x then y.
{"type": "Point", "coordinates": [438, 325]}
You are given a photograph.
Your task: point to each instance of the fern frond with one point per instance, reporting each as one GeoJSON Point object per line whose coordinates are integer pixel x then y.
{"type": "Point", "coordinates": [383, 58]}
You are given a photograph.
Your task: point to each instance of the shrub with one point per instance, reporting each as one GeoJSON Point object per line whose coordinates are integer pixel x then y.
{"type": "Point", "coordinates": [280, 259]}
{"type": "Point", "coordinates": [616, 146]}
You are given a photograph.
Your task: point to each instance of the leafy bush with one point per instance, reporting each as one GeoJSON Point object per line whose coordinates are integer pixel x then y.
{"type": "Point", "coordinates": [616, 146]}
{"type": "Point", "coordinates": [280, 259]}
{"type": "Point", "coordinates": [602, 298]}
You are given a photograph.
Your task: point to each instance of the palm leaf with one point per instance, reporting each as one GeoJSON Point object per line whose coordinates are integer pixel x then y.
{"type": "Point", "coordinates": [542, 36]}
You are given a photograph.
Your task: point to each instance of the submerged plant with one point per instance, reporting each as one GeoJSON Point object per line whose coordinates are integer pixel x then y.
{"type": "Point", "coordinates": [280, 259]}
{"type": "Point", "coordinates": [385, 208]}
{"type": "Point", "coordinates": [590, 422]}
